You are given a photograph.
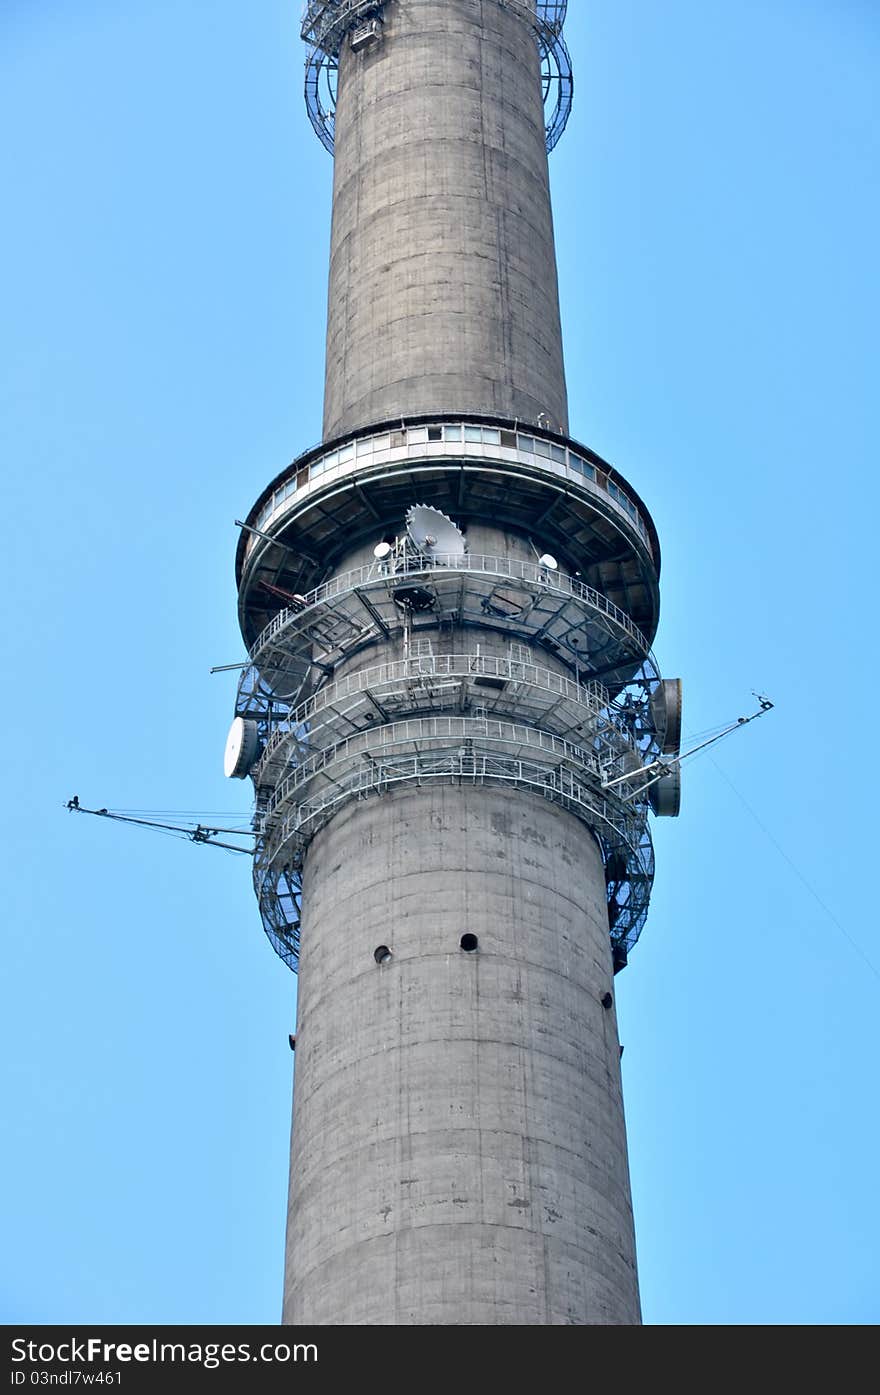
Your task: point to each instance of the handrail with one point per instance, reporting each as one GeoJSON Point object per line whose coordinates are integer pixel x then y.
{"type": "Point", "coordinates": [326, 22]}
{"type": "Point", "coordinates": [556, 784]}
{"type": "Point", "coordinates": [504, 568]}
{"type": "Point", "coordinates": [592, 696]}
{"type": "Point", "coordinates": [618, 500]}
{"type": "Point", "coordinates": [476, 731]}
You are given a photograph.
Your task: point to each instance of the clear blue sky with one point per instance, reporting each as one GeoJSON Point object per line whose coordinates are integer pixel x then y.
{"type": "Point", "coordinates": [163, 252]}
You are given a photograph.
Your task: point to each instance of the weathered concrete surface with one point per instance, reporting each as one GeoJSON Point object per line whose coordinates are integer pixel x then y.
{"type": "Point", "coordinates": [459, 1148]}
{"type": "Point", "coordinates": [443, 292]}
{"type": "Point", "coordinates": [459, 1152]}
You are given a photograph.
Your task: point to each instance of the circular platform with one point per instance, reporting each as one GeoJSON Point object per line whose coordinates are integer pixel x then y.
{"type": "Point", "coordinates": [523, 600]}
{"type": "Point", "coordinates": [537, 482]}
{"type": "Point", "coordinates": [620, 829]}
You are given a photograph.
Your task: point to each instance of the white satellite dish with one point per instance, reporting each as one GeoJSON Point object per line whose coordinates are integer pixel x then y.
{"type": "Point", "coordinates": [549, 561]}
{"type": "Point", "coordinates": [433, 534]}
{"type": "Point", "coordinates": [381, 551]}
{"type": "Point", "coordinates": [242, 747]}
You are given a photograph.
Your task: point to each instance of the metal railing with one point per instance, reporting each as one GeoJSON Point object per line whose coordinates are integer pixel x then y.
{"type": "Point", "coordinates": [505, 569]}
{"type": "Point", "coordinates": [354, 456]}
{"type": "Point", "coordinates": [592, 697]}
{"type": "Point", "coordinates": [619, 828]}
{"type": "Point", "coordinates": [378, 743]}
{"type": "Point", "coordinates": [326, 22]}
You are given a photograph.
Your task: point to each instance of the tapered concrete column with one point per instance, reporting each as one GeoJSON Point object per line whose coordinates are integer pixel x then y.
{"type": "Point", "coordinates": [459, 1152]}
{"type": "Point", "coordinates": [443, 292]}
{"type": "Point", "coordinates": [433, 807]}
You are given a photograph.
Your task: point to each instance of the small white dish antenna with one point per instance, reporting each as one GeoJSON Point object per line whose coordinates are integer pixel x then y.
{"type": "Point", "coordinates": [549, 561]}
{"type": "Point", "coordinates": [242, 747]}
{"type": "Point", "coordinates": [381, 551]}
{"type": "Point", "coordinates": [433, 534]}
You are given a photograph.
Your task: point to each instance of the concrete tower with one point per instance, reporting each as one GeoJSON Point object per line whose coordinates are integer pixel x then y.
{"type": "Point", "coordinates": [449, 708]}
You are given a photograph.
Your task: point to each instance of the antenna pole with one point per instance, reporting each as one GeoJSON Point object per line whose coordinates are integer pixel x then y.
{"type": "Point", "coordinates": [199, 834]}
{"type": "Point", "coordinates": [407, 625]}
{"type": "Point", "coordinates": [662, 766]}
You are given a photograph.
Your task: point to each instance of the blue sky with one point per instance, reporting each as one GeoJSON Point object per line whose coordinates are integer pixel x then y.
{"type": "Point", "coordinates": [164, 253]}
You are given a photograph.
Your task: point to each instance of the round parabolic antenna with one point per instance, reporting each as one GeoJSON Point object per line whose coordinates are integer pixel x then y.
{"type": "Point", "coordinates": [665, 793]}
{"type": "Point", "coordinates": [381, 551]}
{"type": "Point", "coordinates": [433, 534]}
{"type": "Point", "coordinates": [242, 745]}
{"type": "Point", "coordinates": [666, 712]}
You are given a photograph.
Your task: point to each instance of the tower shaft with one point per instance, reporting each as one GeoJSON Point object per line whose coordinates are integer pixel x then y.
{"type": "Point", "coordinates": [449, 699]}
{"type": "Point", "coordinates": [442, 269]}
{"type": "Point", "coordinates": [459, 1152]}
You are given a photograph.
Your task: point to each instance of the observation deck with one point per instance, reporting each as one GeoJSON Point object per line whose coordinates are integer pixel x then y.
{"type": "Point", "coordinates": [349, 491]}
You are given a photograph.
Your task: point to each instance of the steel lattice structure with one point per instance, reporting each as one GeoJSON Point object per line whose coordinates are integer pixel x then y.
{"type": "Point", "coordinates": [326, 24]}
{"type": "Point", "coordinates": [579, 730]}
{"type": "Point", "coordinates": [535, 729]}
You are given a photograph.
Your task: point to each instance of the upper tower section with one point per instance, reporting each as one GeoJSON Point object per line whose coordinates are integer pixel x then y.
{"type": "Point", "coordinates": [443, 291]}
{"type": "Point", "coordinates": [378, 653]}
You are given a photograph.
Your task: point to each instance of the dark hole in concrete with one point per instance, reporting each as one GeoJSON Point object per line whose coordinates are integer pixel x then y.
{"type": "Point", "coordinates": [414, 598]}
{"type": "Point", "coordinates": [381, 954]}
{"type": "Point", "coordinates": [607, 1000]}
{"type": "Point", "coordinates": [469, 943]}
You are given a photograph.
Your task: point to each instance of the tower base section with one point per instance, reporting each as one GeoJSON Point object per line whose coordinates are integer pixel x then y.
{"type": "Point", "coordinates": [459, 1150]}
